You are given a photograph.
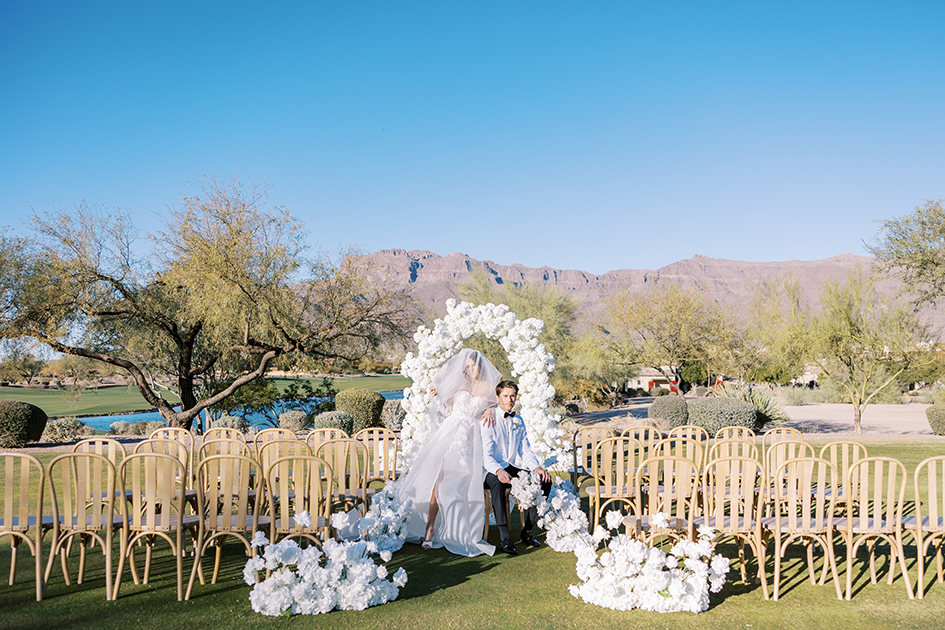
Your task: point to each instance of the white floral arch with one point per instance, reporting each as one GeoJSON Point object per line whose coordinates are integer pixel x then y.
{"type": "Point", "coordinates": [530, 365]}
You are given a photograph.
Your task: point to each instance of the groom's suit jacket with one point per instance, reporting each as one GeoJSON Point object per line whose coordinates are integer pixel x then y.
{"type": "Point", "coordinates": [506, 443]}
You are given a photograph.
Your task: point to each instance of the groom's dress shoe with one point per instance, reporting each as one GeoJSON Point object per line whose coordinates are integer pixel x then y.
{"type": "Point", "coordinates": [529, 541]}
{"type": "Point", "coordinates": [507, 547]}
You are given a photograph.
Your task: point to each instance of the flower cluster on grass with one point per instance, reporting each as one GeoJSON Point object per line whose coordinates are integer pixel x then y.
{"type": "Point", "coordinates": [629, 573]}
{"type": "Point", "coordinates": [341, 575]}
{"type": "Point", "coordinates": [312, 581]}
{"type": "Point", "coordinates": [530, 365]}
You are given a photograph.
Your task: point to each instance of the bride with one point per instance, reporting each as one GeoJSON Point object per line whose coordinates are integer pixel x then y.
{"type": "Point", "coordinates": [445, 481]}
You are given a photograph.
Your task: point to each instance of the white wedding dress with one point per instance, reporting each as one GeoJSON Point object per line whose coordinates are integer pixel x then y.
{"type": "Point", "coordinates": [451, 459]}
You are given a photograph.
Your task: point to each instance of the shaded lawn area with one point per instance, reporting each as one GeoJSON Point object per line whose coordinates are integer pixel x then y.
{"type": "Point", "coordinates": [446, 591]}
{"type": "Point", "coordinates": [113, 399]}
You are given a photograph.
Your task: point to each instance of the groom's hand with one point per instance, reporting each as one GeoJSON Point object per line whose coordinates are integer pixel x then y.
{"type": "Point", "coordinates": [488, 420]}
{"type": "Point", "coordinates": [503, 476]}
{"type": "Point", "coordinates": [544, 474]}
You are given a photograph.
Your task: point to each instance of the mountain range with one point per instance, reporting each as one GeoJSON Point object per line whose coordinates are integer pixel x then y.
{"type": "Point", "coordinates": [432, 279]}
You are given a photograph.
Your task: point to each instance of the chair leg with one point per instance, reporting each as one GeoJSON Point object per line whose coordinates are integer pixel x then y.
{"type": "Point", "coordinates": [920, 561]}
{"type": "Point", "coordinates": [778, 552]}
{"type": "Point", "coordinates": [14, 545]}
{"type": "Point", "coordinates": [901, 553]}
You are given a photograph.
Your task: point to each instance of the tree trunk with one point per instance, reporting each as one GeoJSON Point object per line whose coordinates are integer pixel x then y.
{"type": "Point", "coordinates": [857, 415]}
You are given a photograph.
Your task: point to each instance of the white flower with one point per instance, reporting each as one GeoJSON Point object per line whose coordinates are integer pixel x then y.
{"type": "Point", "coordinates": [660, 520]}
{"type": "Point", "coordinates": [259, 540]}
{"type": "Point", "coordinates": [302, 519]}
{"type": "Point", "coordinates": [614, 518]}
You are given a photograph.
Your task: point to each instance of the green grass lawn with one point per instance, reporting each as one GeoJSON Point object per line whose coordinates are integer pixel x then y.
{"type": "Point", "coordinates": [122, 399]}
{"type": "Point", "coordinates": [446, 591]}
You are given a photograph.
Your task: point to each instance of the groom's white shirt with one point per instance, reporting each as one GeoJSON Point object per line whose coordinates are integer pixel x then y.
{"type": "Point", "coordinates": [506, 443]}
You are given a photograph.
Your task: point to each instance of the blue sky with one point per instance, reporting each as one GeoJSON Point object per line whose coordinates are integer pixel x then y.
{"type": "Point", "coordinates": [590, 136]}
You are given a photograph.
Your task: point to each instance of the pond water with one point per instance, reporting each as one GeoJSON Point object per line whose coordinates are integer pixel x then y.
{"type": "Point", "coordinates": [102, 423]}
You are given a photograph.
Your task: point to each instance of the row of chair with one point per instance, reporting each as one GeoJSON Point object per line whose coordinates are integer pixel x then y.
{"type": "Point", "coordinates": [382, 444]}
{"type": "Point", "coordinates": [100, 489]}
{"type": "Point", "coordinates": [806, 499]}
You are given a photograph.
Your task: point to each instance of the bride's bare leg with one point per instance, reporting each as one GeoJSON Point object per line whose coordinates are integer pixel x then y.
{"type": "Point", "coordinates": [431, 516]}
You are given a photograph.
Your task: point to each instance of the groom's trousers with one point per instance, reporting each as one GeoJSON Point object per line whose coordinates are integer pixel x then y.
{"type": "Point", "coordinates": [500, 506]}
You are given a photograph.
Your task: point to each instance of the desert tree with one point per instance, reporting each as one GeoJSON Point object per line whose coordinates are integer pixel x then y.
{"type": "Point", "coordinates": [667, 327]}
{"type": "Point", "coordinates": [912, 248]}
{"type": "Point", "coordinates": [861, 342]}
{"type": "Point", "coordinates": [226, 278]}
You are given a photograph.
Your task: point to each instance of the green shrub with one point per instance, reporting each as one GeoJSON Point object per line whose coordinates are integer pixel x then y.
{"type": "Point", "coordinates": [20, 423]}
{"type": "Point", "coordinates": [120, 427]}
{"type": "Point", "coordinates": [231, 422]}
{"type": "Point", "coordinates": [762, 398]}
{"type": "Point", "coordinates": [936, 416]}
{"type": "Point", "coordinates": [659, 391]}
{"type": "Point", "coordinates": [67, 429]}
{"type": "Point", "coordinates": [293, 420]}
{"type": "Point", "coordinates": [364, 405]}
{"type": "Point", "coordinates": [716, 413]}
{"type": "Point", "coordinates": [392, 415]}
{"type": "Point", "coordinates": [672, 409]}
{"type": "Point", "coordinates": [151, 426]}
{"type": "Point", "coordinates": [334, 420]}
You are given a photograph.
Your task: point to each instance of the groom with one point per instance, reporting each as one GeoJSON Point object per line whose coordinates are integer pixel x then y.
{"type": "Point", "coordinates": [506, 453]}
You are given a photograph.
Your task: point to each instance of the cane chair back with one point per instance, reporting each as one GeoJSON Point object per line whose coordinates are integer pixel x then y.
{"type": "Point", "coordinates": [733, 448]}
{"type": "Point", "coordinates": [270, 435]}
{"type": "Point", "coordinates": [733, 507]}
{"type": "Point", "coordinates": [690, 432]}
{"type": "Point", "coordinates": [735, 433]}
{"type": "Point", "coordinates": [178, 450]}
{"type": "Point", "coordinates": [382, 446]}
{"type": "Point", "coordinates": [156, 511]}
{"type": "Point", "coordinates": [844, 454]}
{"type": "Point", "coordinates": [616, 461]}
{"type": "Point", "coordinates": [212, 448]}
{"type": "Point", "coordinates": [928, 524]}
{"type": "Point", "coordinates": [647, 436]}
{"type": "Point", "coordinates": [682, 448]}
{"type": "Point", "coordinates": [223, 433]}
{"type": "Point", "coordinates": [183, 436]}
{"type": "Point", "coordinates": [348, 459]}
{"type": "Point", "coordinates": [667, 485]}
{"type": "Point", "coordinates": [779, 434]}
{"type": "Point", "coordinates": [877, 487]}
{"type": "Point", "coordinates": [83, 491]}
{"type": "Point", "coordinates": [804, 511]}
{"type": "Point", "coordinates": [780, 452]}
{"type": "Point", "coordinates": [113, 450]}
{"type": "Point", "coordinates": [277, 449]}
{"type": "Point", "coordinates": [230, 496]}
{"type": "Point", "coordinates": [300, 484]}
{"type": "Point", "coordinates": [21, 510]}
{"type": "Point", "coordinates": [317, 436]}
{"type": "Point", "coordinates": [584, 442]}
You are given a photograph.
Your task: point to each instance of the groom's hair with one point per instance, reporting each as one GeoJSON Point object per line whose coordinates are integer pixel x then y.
{"type": "Point", "coordinates": [505, 385]}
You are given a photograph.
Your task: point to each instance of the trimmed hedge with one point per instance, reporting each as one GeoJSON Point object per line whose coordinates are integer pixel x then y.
{"type": "Point", "coordinates": [936, 417]}
{"type": "Point", "coordinates": [20, 423]}
{"type": "Point", "coordinates": [68, 429]}
{"type": "Point", "coordinates": [364, 405]}
{"type": "Point", "coordinates": [673, 409]}
{"type": "Point", "coordinates": [293, 420]}
{"type": "Point", "coordinates": [226, 421]}
{"type": "Point", "coordinates": [393, 414]}
{"type": "Point", "coordinates": [713, 414]}
{"type": "Point", "coordinates": [334, 420]}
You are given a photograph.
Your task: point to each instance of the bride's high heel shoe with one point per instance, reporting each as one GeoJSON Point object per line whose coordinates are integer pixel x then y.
{"type": "Point", "coordinates": [427, 539]}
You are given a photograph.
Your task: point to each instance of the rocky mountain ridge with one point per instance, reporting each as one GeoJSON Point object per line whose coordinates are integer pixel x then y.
{"type": "Point", "coordinates": [433, 279]}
